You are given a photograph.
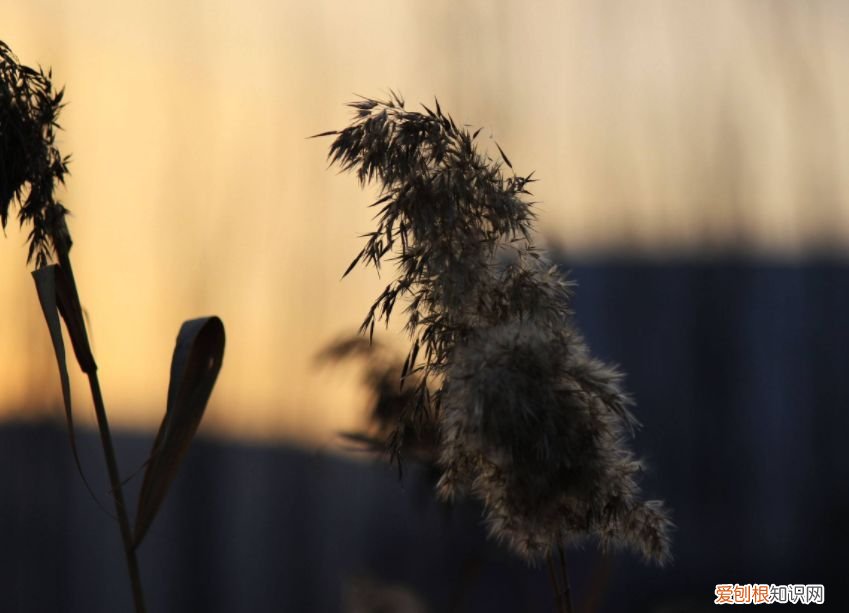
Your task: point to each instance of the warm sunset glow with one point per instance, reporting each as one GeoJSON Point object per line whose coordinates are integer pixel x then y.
{"type": "Point", "coordinates": [654, 127]}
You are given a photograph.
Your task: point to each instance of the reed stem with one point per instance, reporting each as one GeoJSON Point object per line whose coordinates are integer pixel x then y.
{"type": "Point", "coordinates": [567, 588]}
{"type": "Point", "coordinates": [555, 586]}
{"type": "Point", "coordinates": [117, 492]}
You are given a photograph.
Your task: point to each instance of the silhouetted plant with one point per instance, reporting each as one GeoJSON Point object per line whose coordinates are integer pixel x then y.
{"type": "Point", "coordinates": [388, 402]}
{"type": "Point", "coordinates": [31, 166]}
{"type": "Point", "coordinates": [30, 163]}
{"type": "Point", "coordinates": [528, 422]}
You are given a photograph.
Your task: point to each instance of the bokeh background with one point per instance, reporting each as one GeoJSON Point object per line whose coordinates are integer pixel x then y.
{"type": "Point", "coordinates": [694, 175]}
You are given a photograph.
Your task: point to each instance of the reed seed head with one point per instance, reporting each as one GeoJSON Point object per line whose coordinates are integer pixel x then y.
{"type": "Point", "coordinates": [30, 163]}
{"type": "Point", "coordinates": [527, 421]}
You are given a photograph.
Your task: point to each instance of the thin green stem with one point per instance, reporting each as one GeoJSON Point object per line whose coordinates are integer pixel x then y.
{"type": "Point", "coordinates": [117, 492]}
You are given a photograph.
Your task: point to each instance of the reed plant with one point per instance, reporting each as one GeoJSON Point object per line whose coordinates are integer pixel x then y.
{"type": "Point", "coordinates": [527, 421]}
{"type": "Point", "coordinates": [31, 170]}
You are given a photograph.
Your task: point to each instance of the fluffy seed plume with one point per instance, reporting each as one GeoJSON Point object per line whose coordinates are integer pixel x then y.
{"type": "Point", "coordinates": [388, 407]}
{"type": "Point", "coordinates": [527, 421]}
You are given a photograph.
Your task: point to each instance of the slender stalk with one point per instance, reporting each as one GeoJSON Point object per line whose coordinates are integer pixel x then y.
{"type": "Point", "coordinates": [552, 576]}
{"type": "Point", "coordinates": [32, 167]}
{"type": "Point", "coordinates": [567, 589]}
{"type": "Point", "coordinates": [471, 571]}
{"type": "Point", "coordinates": [117, 492]}
{"type": "Point", "coordinates": [599, 578]}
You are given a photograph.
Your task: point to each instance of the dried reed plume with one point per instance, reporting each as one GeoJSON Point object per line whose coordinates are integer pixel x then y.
{"type": "Point", "coordinates": [30, 163]}
{"type": "Point", "coordinates": [389, 402]}
{"type": "Point", "coordinates": [528, 422]}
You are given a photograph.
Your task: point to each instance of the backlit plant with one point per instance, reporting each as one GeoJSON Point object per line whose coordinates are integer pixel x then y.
{"type": "Point", "coordinates": [527, 421]}
{"type": "Point", "coordinates": [31, 168]}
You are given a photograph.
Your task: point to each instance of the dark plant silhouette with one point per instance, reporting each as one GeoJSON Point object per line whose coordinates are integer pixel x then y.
{"type": "Point", "coordinates": [389, 402]}
{"type": "Point", "coordinates": [528, 422]}
{"type": "Point", "coordinates": [30, 163]}
{"type": "Point", "coordinates": [31, 166]}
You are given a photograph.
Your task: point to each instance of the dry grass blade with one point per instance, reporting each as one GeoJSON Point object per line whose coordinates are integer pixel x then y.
{"type": "Point", "coordinates": [194, 368]}
{"type": "Point", "coordinates": [68, 301]}
{"type": "Point", "coordinates": [46, 287]}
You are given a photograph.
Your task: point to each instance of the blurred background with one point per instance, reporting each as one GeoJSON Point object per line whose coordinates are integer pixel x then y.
{"type": "Point", "coordinates": [693, 160]}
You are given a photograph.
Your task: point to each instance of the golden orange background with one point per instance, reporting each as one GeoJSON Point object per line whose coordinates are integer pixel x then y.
{"type": "Point", "coordinates": [656, 128]}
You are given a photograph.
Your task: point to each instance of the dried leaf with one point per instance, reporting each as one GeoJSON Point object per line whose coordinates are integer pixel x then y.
{"type": "Point", "coordinates": [45, 285]}
{"type": "Point", "coordinates": [504, 156]}
{"type": "Point", "coordinates": [328, 133]}
{"type": "Point", "coordinates": [194, 368]}
{"type": "Point", "coordinates": [68, 302]}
